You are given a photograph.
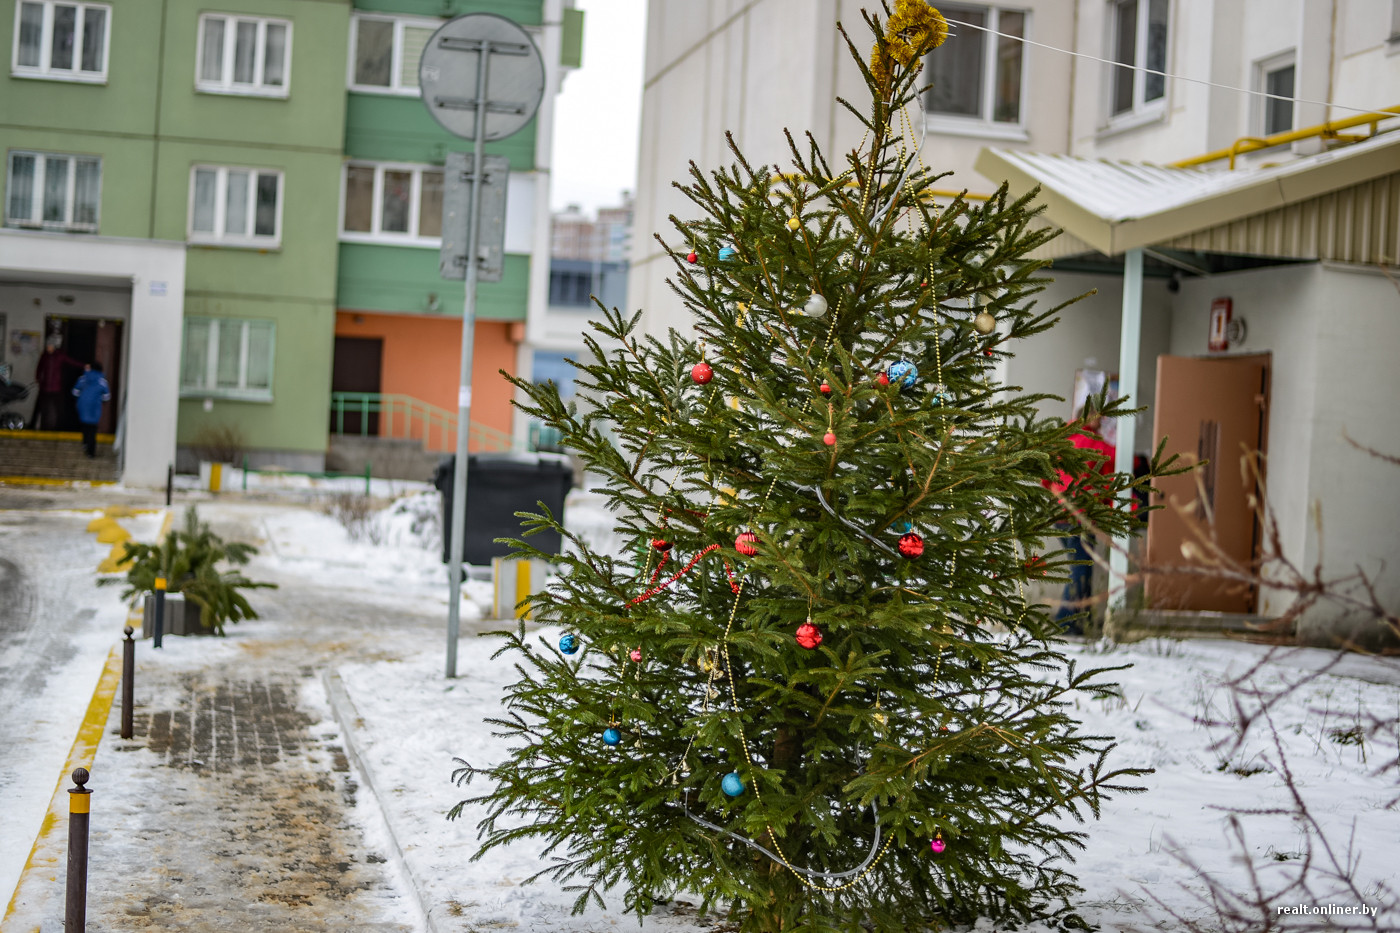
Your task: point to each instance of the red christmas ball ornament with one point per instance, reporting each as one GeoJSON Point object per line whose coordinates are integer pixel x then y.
{"type": "Point", "coordinates": [883, 379]}
{"type": "Point", "coordinates": [826, 387]}
{"type": "Point", "coordinates": [1036, 565]}
{"type": "Point", "coordinates": [661, 544]}
{"type": "Point", "coordinates": [911, 545]}
{"type": "Point", "coordinates": [691, 257]}
{"type": "Point", "coordinates": [636, 655]}
{"type": "Point", "coordinates": [808, 635]}
{"type": "Point", "coordinates": [746, 544]}
{"type": "Point", "coordinates": [987, 352]}
{"type": "Point", "coordinates": [829, 439]}
{"type": "Point", "coordinates": [702, 373]}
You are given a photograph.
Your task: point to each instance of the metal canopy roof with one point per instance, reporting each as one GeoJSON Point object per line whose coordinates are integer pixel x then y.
{"type": "Point", "coordinates": [1113, 206]}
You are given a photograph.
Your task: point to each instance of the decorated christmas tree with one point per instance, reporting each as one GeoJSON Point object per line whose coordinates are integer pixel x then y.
{"type": "Point", "coordinates": [815, 693]}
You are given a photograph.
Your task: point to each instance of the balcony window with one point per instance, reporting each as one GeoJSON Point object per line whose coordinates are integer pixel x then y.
{"type": "Point", "coordinates": [235, 206]}
{"type": "Point", "coordinates": [61, 41]}
{"type": "Point", "coordinates": [243, 55]}
{"type": "Point", "coordinates": [227, 357]}
{"type": "Point", "coordinates": [392, 203]}
{"type": "Point", "coordinates": [384, 53]}
{"type": "Point", "coordinates": [53, 191]}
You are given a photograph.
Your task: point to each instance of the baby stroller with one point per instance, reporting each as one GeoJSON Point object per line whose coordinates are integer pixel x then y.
{"type": "Point", "coordinates": [10, 393]}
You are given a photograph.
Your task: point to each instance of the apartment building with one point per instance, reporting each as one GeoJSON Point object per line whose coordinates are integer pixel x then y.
{"type": "Point", "coordinates": [1239, 243]}
{"type": "Point", "coordinates": [237, 210]}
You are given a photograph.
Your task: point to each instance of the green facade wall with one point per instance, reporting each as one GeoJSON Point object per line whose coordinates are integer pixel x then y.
{"type": "Point", "coordinates": [402, 278]}
{"type": "Point", "coordinates": [396, 128]}
{"type": "Point", "coordinates": [297, 417]}
{"type": "Point", "coordinates": [150, 126]}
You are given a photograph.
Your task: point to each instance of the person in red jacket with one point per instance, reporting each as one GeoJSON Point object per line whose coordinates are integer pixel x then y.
{"type": "Point", "coordinates": [48, 410]}
{"type": "Point", "coordinates": [1081, 575]}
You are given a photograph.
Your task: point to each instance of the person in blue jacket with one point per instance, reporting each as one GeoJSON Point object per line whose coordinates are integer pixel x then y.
{"type": "Point", "coordinates": [92, 391]}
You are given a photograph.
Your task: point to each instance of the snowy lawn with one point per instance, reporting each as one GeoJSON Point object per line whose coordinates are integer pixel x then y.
{"type": "Point", "coordinates": [414, 722]}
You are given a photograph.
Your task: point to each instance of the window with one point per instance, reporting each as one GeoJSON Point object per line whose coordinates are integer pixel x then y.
{"type": "Point", "coordinates": [227, 356]}
{"type": "Point", "coordinates": [384, 53]}
{"type": "Point", "coordinates": [570, 288]}
{"type": "Point", "coordinates": [977, 74]}
{"type": "Point", "coordinates": [1276, 79]}
{"type": "Point", "coordinates": [235, 206]}
{"type": "Point", "coordinates": [47, 189]}
{"type": "Point", "coordinates": [392, 203]}
{"type": "Point", "coordinates": [243, 55]}
{"type": "Point", "coordinates": [555, 368]}
{"type": "Point", "coordinates": [1139, 40]}
{"type": "Point", "coordinates": [67, 41]}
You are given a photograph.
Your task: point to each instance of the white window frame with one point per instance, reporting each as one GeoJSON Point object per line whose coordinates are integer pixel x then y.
{"type": "Point", "coordinates": [1142, 110]}
{"type": "Point", "coordinates": [226, 84]}
{"type": "Point", "coordinates": [1260, 109]}
{"type": "Point", "coordinates": [375, 235]}
{"type": "Point", "coordinates": [396, 60]}
{"type": "Point", "coordinates": [219, 238]}
{"type": "Point", "coordinates": [70, 195]}
{"type": "Point", "coordinates": [983, 125]}
{"type": "Point", "coordinates": [211, 387]}
{"type": "Point", "coordinates": [44, 70]}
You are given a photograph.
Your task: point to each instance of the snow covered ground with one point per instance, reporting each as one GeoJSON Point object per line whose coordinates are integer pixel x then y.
{"type": "Point", "coordinates": [407, 722]}
{"type": "Point", "coordinates": [1173, 715]}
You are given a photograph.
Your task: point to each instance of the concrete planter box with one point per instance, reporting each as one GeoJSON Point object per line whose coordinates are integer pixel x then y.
{"type": "Point", "coordinates": [181, 617]}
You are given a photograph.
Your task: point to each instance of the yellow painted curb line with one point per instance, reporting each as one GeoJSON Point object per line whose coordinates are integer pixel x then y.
{"type": "Point", "coordinates": [51, 481]}
{"type": "Point", "coordinates": [56, 436]}
{"type": "Point", "coordinates": [81, 755]}
{"type": "Point", "coordinates": [109, 532]}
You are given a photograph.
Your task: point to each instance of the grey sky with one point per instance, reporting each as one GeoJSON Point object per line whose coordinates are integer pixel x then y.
{"type": "Point", "coordinates": [599, 109]}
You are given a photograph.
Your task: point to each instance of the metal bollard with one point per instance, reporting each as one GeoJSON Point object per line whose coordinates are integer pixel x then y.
{"type": "Point", "coordinates": [128, 686]}
{"type": "Point", "coordinates": [169, 483]}
{"type": "Point", "coordinates": [75, 904]}
{"type": "Point", "coordinates": [160, 611]}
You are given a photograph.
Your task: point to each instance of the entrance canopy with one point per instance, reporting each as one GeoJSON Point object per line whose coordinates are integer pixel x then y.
{"type": "Point", "coordinates": [1341, 205]}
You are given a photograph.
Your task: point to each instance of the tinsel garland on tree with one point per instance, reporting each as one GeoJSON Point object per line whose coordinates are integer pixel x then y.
{"type": "Point", "coordinates": [815, 693]}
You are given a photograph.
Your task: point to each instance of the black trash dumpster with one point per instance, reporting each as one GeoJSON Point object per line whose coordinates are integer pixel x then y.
{"type": "Point", "coordinates": [498, 486]}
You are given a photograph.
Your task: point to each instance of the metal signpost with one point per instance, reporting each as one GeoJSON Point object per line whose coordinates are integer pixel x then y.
{"type": "Point", "coordinates": [482, 79]}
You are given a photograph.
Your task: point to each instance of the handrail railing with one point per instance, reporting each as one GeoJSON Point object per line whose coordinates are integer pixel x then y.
{"type": "Point", "coordinates": [1328, 130]}
{"type": "Point", "coordinates": [406, 417]}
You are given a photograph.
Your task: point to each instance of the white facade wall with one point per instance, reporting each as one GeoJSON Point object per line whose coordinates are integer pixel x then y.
{"type": "Point", "coordinates": [156, 271]}
{"type": "Point", "coordinates": [1332, 331]}
{"type": "Point", "coordinates": [754, 67]}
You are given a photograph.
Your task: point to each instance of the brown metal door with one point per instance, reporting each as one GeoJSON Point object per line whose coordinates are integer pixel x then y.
{"type": "Point", "coordinates": [108, 350]}
{"type": "Point", "coordinates": [1212, 413]}
{"type": "Point", "coordinates": [356, 368]}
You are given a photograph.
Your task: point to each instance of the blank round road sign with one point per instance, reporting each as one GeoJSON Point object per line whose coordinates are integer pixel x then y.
{"type": "Point", "coordinates": [447, 75]}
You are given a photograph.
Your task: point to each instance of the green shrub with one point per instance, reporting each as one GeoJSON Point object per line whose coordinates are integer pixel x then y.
{"type": "Point", "coordinates": [189, 561]}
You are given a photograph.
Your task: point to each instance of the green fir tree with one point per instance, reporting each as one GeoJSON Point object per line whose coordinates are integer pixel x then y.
{"type": "Point", "coordinates": [842, 467]}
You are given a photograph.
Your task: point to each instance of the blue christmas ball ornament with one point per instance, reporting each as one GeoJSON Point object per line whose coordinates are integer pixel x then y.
{"type": "Point", "coordinates": [901, 528]}
{"type": "Point", "coordinates": [727, 253]}
{"type": "Point", "coordinates": [611, 736]}
{"type": "Point", "coordinates": [568, 644]}
{"type": "Point", "coordinates": [732, 784]}
{"type": "Point", "coordinates": [903, 374]}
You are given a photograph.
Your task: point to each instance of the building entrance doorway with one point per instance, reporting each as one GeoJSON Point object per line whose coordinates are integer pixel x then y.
{"type": "Point", "coordinates": [356, 367]}
{"type": "Point", "coordinates": [1213, 411]}
{"type": "Point", "coordinates": [88, 340]}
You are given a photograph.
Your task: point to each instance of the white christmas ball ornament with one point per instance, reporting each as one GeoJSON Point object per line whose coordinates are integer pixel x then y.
{"type": "Point", "coordinates": [816, 306]}
{"type": "Point", "coordinates": [984, 323]}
